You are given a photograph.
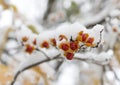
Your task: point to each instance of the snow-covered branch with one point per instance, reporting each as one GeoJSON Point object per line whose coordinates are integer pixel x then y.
{"type": "Point", "coordinates": [31, 62]}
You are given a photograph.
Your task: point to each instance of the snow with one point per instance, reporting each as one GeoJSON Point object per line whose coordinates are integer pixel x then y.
{"type": "Point", "coordinates": [69, 30]}
{"type": "Point", "coordinates": [69, 76]}
{"type": "Point", "coordinates": [23, 32]}
{"type": "Point", "coordinates": [95, 32]}
{"type": "Point", "coordinates": [110, 75]}
{"type": "Point", "coordinates": [115, 12]}
{"type": "Point", "coordinates": [45, 36]}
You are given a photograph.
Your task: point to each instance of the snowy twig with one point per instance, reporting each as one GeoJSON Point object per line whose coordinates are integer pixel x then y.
{"type": "Point", "coordinates": [59, 65]}
{"type": "Point", "coordinates": [35, 64]}
{"type": "Point", "coordinates": [88, 60]}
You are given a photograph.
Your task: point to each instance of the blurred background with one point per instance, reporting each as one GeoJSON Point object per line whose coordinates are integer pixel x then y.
{"type": "Point", "coordinates": [41, 15]}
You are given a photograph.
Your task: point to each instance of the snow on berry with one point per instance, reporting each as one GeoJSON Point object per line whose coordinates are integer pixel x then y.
{"type": "Point", "coordinates": [70, 37]}
{"type": "Point", "coordinates": [46, 39]}
{"type": "Point", "coordinates": [23, 34]}
{"type": "Point", "coordinates": [27, 38]}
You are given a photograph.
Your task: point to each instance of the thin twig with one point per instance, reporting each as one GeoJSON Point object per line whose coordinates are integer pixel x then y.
{"type": "Point", "coordinates": [43, 53]}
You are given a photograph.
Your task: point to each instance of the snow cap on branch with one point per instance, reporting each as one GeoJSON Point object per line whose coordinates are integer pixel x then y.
{"type": "Point", "coordinates": [27, 38]}
{"type": "Point", "coordinates": [46, 39]}
{"type": "Point", "coordinates": [68, 38]}
{"type": "Point", "coordinates": [72, 37]}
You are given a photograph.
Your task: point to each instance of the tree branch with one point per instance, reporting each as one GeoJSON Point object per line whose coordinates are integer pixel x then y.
{"type": "Point", "coordinates": [46, 60]}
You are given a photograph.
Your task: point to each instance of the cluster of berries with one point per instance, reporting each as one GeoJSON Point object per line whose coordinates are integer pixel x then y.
{"type": "Point", "coordinates": [67, 41]}
{"type": "Point", "coordinates": [72, 46]}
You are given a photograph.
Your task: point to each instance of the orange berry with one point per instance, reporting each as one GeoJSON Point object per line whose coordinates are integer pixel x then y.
{"type": "Point", "coordinates": [61, 37]}
{"type": "Point", "coordinates": [79, 38]}
{"type": "Point", "coordinates": [80, 33]}
{"type": "Point", "coordinates": [24, 39]}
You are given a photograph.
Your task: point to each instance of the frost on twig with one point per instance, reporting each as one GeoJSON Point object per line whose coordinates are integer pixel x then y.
{"type": "Point", "coordinates": [64, 42]}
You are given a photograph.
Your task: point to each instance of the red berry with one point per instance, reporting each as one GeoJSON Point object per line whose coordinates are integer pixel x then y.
{"type": "Point", "coordinates": [45, 44]}
{"type": "Point", "coordinates": [84, 37]}
{"type": "Point", "coordinates": [65, 47]}
{"type": "Point", "coordinates": [29, 49]}
{"type": "Point", "coordinates": [69, 55]}
{"type": "Point", "coordinates": [90, 40]}
{"type": "Point", "coordinates": [73, 45]}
